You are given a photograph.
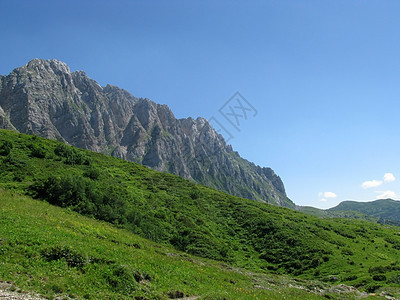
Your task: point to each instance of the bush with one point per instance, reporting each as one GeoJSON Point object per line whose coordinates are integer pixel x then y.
{"type": "Point", "coordinates": [395, 279]}
{"type": "Point", "coordinates": [350, 278]}
{"type": "Point", "coordinates": [66, 191]}
{"type": "Point", "coordinates": [5, 148]}
{"type": "Point", "coordinates": [396, 246]}
{"type": "Point", "coordinates": [194, 194]}
{"type": "Point", "coordinates": [72, 258]}
{"type": "Point", "coordinates": [121, 279]}
{"type": "Point", "coordinates": [71, 155]}
{"type": "Point", "coordinates": [13, 163]}
{"type": "Point", "coordinates": [84, 197]}
{"type": "Point", "coordinates": [92, 173]}
{"type": "Point", "coordinates": [380, 269]}
{"type": "Point", "coordinates": [37, 151]}
{"type": "Point", "coordinates": [347, 252]}
{"type": "Point", "coordinates": [181, 240]}
{"type": "Point", "coordinates": [379, 277]}
{"type": "Point", "coordinates": [370, 288]}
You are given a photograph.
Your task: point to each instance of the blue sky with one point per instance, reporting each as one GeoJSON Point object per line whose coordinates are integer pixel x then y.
{"type": "Point", "coordinates": [323, 76]}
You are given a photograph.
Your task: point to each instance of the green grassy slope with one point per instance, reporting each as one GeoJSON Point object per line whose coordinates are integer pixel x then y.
{"type": "Point", "coordinates": [56, 252]}
{"type": "Point", "coordinates": [201, 221]}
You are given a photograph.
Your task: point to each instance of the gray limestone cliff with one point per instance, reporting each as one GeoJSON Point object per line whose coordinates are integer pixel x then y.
{"type": "Point", "coordinates": [45, 98]}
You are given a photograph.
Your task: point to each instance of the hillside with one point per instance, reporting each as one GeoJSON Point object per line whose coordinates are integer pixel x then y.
{"type": "Point", "coordinates": [56, 252]}
{"type": "Point", "coordinates": [327, 213]}
{"type": "Point", "coordinates": [384, 210]}
{"type": "Point", "coordinates": [195, 219]}
{"type": "Point", "coordinates": [45, 98]}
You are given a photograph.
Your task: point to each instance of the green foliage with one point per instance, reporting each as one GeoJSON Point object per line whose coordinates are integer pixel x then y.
{"type": "Point", "coordinates": [379, 269]}
{"type": "Point", "coordinates": [372, 287]}
{"type": "Point", "coordinates": [92, 173]}
{"type": "Point", "coordinates": [347, 252]}
{"type": "Point", "coordinates": [384, 211]}
{"type": "Point", "coordinates": [37, 151]}
{"type": "Point", "coordinates": [395, 279]}
{"type": "Point", "coordinates": [121, 279]}
{"type": "Point", "coordinates": [11, 162]}
{"type": "Point", "coordinates": [5, 148]}
{"type": "Point", "coordinates": [72, 156]}
{"type": "Point", "coordinates": [104, 262]}
{"type": "Point", "coordinates": [72, 258]}
{"type": "Point", "coordinates": [379, 277]}
{"type": "Point", "coordinates": [198, 220]}
{"type": "Point", "coordinates": [83, 196]}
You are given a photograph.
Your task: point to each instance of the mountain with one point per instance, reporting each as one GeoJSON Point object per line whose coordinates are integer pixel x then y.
{"type": "Point", "coordinates": [45, 98]}
{"type": "Point", "coordinates": [326, 213]}
{"type": "Point", "coordinates": [384, 210]}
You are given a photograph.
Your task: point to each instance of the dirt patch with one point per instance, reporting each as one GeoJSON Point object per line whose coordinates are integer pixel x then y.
{"type": "Point", "coordinates": [10, 292]}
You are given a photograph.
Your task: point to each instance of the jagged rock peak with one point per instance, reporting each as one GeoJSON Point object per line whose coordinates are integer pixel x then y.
{"type": "Point", "coordinates": [53, 64]}
{"type": "Point", "coordinates": [45, 98]}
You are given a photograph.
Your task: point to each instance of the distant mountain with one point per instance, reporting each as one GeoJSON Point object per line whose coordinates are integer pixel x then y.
{"type": "Point", "coordinates": [321, 213]}
{"type": "Point", "coordinates": [385, 210]}
{"type": "Point", "coordinates": [44, 98]}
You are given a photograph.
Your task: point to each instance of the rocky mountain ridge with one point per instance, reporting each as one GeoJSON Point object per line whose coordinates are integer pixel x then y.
{"type": "Point", "coordinates": [45, 98]}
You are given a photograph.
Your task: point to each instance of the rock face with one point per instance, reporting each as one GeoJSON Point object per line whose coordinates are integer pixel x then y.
{"type": "Point", "coordinates": [44, 98]}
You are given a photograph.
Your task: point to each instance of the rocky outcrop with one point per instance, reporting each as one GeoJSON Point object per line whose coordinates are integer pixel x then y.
{"type": "Point", "coordinates": [45, 98]}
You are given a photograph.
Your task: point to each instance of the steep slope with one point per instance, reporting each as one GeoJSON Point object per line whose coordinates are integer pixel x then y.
{"type": "Point", "coordinates": [195, 219]}
{"type": "Point", "coordinates": [44, 98]}
{"type": "Point", "coordinates": [61, 255]}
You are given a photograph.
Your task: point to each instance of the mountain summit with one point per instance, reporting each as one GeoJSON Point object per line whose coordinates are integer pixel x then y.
{"type": "Point", "coordinates": [45, 98]}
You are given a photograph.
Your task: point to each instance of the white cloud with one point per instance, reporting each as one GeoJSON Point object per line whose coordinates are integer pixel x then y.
{"type": "Point", "coordinates": [386, 195]}
{"type": "Point", "coordinates": [330, 195]}
{"type": "Point", "coordinates": [389, 177]}
{"type": "Point", "coordinates": [371, 183]}
{"type": "Point", "coordinates": [324, 196]}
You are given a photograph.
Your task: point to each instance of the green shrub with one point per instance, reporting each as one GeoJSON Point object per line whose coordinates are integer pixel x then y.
{"type": "Point", "coordinates": [195, 194]}
{"type": "Point", "coordinates": [347, 252]}
{"type": "Point", "coordinates": [396, 246]}
{"type": "Point", "coordinates": [371, 287]}
{"type": "Point", "coordinates": [395, 279]}
{"type": "Point", "coordinates": [350, 278]}
{"type": "Point", "coordinates": [13, 164]}
{"type": "Point", "coordinates": [380, 269]}
{"type": "Point", "coordinates": [121, 279]}
{"type": "Point", "coordinates": [72, 156]}
{"type": "Point", "coordinates": [5, 148]}
{"type": "Point", "coordinates": [181, 240]}
{"type": "Point", "coordinates": [72, 258]}
{"type": "Point", "coordinates": [92, 173]}
{"type": "Point", "coordinates": [37, 151]}
{"type": "Point", "coordinates": [379, 277]}
{"type": "Point", "coordinates": [83, 196]}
